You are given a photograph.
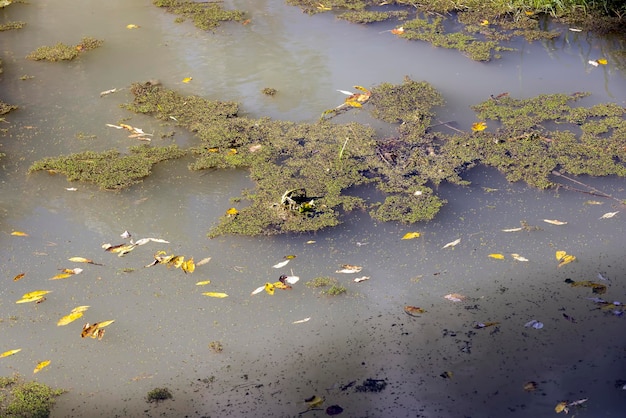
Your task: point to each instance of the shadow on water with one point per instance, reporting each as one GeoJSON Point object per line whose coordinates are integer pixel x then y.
{"type": "Point", "coordinates": [269, 365]}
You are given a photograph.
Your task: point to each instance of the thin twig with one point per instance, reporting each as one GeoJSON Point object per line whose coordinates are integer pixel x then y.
{"type": "Point", "coordinates": [595, 191]}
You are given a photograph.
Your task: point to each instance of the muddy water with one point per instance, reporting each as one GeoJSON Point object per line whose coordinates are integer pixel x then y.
{"type": "Point", "coordinates": [269, 365]}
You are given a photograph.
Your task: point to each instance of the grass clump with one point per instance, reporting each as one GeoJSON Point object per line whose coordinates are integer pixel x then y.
{"type": "Point", "coordinates": [109, 169]}
{"type": "Point", "coordinates": [158, 394]}
{"type": "Point", "coordinates": [20, 399]}
{"type": "Point", "coordinates": [204, 15]}
{"type": "Point", "coordinates": [61, 51]}
{"type": "Point", "coordinates": [366, 16]}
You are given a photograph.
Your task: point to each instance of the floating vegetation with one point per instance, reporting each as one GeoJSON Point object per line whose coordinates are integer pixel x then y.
{"type": "Point", "coordinates": [109, 169]}
{"type": "Point", "coordinates": [372, 385]}
{"type": "Point", "coordinates": [204, 15]}
{"type": "Point", "coordinates": [158, 395]}
{"type": "Point", "coordinates": [268, 91]}
{"type": "Point", "coordinates": [62, 51]}
{"type": "Point", "coordinates": [302, 171]}
{"type": "Point", "coordinates": [12, 25]}
{"type": "Point", "coordinates": [26, 399]}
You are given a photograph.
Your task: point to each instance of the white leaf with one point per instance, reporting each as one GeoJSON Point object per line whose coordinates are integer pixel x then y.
{"type": "Point", "coordinates": [115, 126]}
{"type": "Point", "coordinates": [281, 264]}
{"type": "Point", "coordinates": [302, 320]}
{"type": "Point", "coordinates": [71, 189]}
{"type": "Point", "coordinates": [451, 244]}
{"type": "Point", "coordinates": [361, 279]}
{"type": "Point", "coordinates": [347, 93]}
{"type": "Point", "coordinates": [147, 240]}
{"type": "Point", "coordinates": [555, 222]}
{"type": "Point", "coordinates": [594, 63]}
{"type": "Point", "coordinates": [518, 257]}
{"type": "Point", "coordinates": [512, 230]}
{"type": "Point", "coordinates": [292, 279]}
{"type": "Point", "coordinates": [125, 234]}
{"type": "Point", "coordinates": [258, 290]}
{"type": "Point", "coordinates": [609, 215]}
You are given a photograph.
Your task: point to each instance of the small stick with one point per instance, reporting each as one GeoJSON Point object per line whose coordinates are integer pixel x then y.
{"type": "Point", "coordinates": [595, 191]}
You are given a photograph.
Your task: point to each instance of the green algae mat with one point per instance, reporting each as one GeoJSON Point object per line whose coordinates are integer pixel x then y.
{"type": "Point", "coordinates": [304, 172]}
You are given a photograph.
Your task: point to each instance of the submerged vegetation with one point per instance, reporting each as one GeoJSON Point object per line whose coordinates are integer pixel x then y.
{"type": "Point", "coordinates": [61, 51]}
{"type": "Point", "coordinates": [26, 399]}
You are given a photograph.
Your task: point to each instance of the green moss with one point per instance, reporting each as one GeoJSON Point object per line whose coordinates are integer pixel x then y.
{"type": "Point", "coordinates": [109, 169]}
{"type": "Point", "coordinates": [158, 395]}
{"type": "Point", "coordinates": [12, 25]}
{"type": "Point", "coordinates": [408, 209]}
{"type": "Point", "coordinates": [204, 15]}
{"type": "Point", "coordinates": [62, 51]}
{"type": "Point", "coordinates": [25, 399]}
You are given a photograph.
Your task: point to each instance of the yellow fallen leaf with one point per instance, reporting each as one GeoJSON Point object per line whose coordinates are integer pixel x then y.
{"type": "Point", "coordinates": [19, 234]}
{"type": "Point", "coordinates": [398, 31]}
{"type": "Point", "coordinates": [479, 126]}
{"type": "Point", "coordinates": [323, 8]}
{"type": "Point", "coordinates": [83, 260]}
{"type": "Point", "coordinates": [176, 261]}
{"type": "Point", "coordinates": [485, 22]}
{"type": "Point", "coordinates": [35, 294]}
{"type": "Point", "coordinates": [269, 288]}
{"type": "Point", "coordinates": [215, 294]}
{"type": "Point", "coordinates": [188, 266]}
{"type": "Point", "coordinates": [67, 319]}
{"type": "Point", "coordinates": [560, 254]}
{"type": "Point", "coordinates": [41, 365]}
{"type": "Point", "coordinates": [314, 401]}
{"type": "Point", "coordinates": [61, 276]}
{"type": "Point", "coordinates": [204, 283]}
{"type": "Point", "coordinates": [10, 352]}
{"type": "Point", "coordinates": [104, 323]}
{"type": "Point", "coordinates": [187, 79]}
{"type": "Point", "coordinates": [602, 61]}
{"type": "Point", "coordinates": [232, 212]}
{"type": "Point", "coordinates": [568, 258]}
{"type": "Point", "coordinates": [561, 407]}
{"type": "Point", "coordinates": [411, 235]}
{"type": "Point", "coordinates": [132, 26]}
{"type": "Point", "coordinates": [497, 256]}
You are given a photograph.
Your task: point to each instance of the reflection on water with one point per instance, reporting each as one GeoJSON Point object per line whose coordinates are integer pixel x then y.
{"type": "Point", "coordinates": [269, 365]}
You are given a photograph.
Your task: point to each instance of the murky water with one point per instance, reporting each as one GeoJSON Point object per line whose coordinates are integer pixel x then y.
{"type": "Point", "coordinates": [269, 365]}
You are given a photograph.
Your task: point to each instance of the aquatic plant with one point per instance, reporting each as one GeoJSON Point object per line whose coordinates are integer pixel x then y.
{"type": "Point", "coordinates": [61, 51]}
{"type": "Point", "coordinates": [158, 394]}
{"type": "Point", "coordinates": [26, 399]}
{"type": "Point", "coordinates": [109, 169]}
{"type": "Point", "coordinates": [16, 24]}
{"type": "Point", "coordinates": [204, 15]}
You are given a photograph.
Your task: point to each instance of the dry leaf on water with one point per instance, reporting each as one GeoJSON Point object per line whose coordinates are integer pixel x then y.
{"type": "Point", "coordinates": [215, 294]}
{"type": "Point", "coordinates": [413, 310]}
{"type": "Point", "coordinates": [518, 257]}
{"type": "Point", "coordinates": [41, 365]}
{"type": "Point", "coordinates": [497, 256]}
{"type": "Point", "coordinates": [455, 297]}
{"type": "Point", "coordinates": [564, 258]}
{"type": "Point", "coordinates": [301, 321]}
{"type": "Point", "coordinates": [19, 277]}
{"type": "Point", "coordinates": [452, 244]}
{"type": "Point", "coordinates": [609, 215]}
{"type": "Point", "coordinates": [349, 269]}
{"type": "Point", "coordinates": [411, 235]}
{"type": "Point", "coordinates": [19, 234]}
{"type": "Point", "coordinates": [512, 229]}
{"type": "Point", "coordinates": [10, 352]}
{"type": "Point", "coordinates": [67, 319]}
{"type": "Point", "coordinates": [83, 260]}
{"type": "Point", "coordinates": [281, 264]}
{"type": "Point", "coordinates": [555, 222]}
{"type": "Point", "coordinates": [203, 283]}
{"type": "Point", "coordinates": [35, 296]}
{"type": "Point", "coordinates": [479, 126]}
{"type": "Point", "coordinates": [361, 279]}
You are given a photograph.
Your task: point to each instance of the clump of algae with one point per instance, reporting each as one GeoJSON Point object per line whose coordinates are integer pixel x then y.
{"type": "Point", "coordinates": [61, 51]}
{"type": "Point", "coordinates": [204, 15]}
